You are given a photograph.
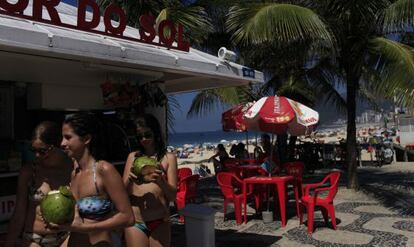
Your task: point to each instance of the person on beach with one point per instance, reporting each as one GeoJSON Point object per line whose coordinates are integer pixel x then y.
{"type": "Point", "coordinates": [218, 158]}
{"type": "Point", "coordinates": [51, 169]}
{"type": "Point", "coordinates": [102, 201]}
{"type": "Point", "coordinates": [151, 195]}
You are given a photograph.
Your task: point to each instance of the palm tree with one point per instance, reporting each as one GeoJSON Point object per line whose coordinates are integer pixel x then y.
{"type": "Point", "coordinates": [357, 34]}
{"type": "Point", "coordinates": [192, 17]}
{"type": "Point", "coordinates": [286, 68]}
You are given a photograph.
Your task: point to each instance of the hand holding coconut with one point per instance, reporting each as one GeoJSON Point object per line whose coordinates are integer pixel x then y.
{"type": "Point", "coordinates": [74, 226]}
{"type": "Point", "coordinates": [59, 210]}
{"type": "Point", "coordinates": [146, 170]}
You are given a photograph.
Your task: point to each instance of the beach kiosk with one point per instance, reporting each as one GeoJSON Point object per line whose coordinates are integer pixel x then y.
{"type": "Point", "coordinates": [56, 59]}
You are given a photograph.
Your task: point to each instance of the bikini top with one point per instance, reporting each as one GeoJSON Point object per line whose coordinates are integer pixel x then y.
{"type": "Point", "coordinates": [94, 207]}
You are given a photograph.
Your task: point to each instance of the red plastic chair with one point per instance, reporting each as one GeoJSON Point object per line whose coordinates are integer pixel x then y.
{"type": "Point", "coordinates": [296, 169]}
{"type": "Point", "coordinates": [187, 191]}
{"type": "Point", "coordinates": [231, 187]}
{"type": "Point", "coordinates": [184, 172]}
{"type": "Point", "coordinates": [310, 201]}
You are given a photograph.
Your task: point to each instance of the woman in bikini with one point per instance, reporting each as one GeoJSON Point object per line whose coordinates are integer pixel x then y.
{"type": "Point", "coordinates": [150, 198]}
{"type": "Point", "coordinates": [52, 168]}
{"type": "Point", "coordinates": [102, 201]}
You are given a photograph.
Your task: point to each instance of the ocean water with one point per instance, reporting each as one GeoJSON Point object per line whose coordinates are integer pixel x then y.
{"type": "Point", "coordinates": [213, 137]}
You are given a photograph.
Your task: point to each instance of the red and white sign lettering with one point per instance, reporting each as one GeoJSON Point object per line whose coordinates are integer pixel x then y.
{"type": "Point", "coordinates": [147, 22]}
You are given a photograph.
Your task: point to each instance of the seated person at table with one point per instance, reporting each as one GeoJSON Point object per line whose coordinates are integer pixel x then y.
{"type": "Point", "coordinates": [267, 145]}
{"type": "Point", "coordinates": [222, 155]}
{"type": "Point", "coordinates": [267, 150]}
{"type": "Point", "coordinates": [233, 150]}
{"type": "Point", "coordinates": [241, 152]}
{"type": "Point", "coordinates": [257, 151]}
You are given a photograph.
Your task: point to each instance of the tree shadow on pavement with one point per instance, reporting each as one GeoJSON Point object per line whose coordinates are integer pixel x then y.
{"type": "Point", "coordinates": [395, 190]}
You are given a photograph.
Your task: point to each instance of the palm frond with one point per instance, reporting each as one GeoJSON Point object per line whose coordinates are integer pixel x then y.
{"type": "Point", "coordinates": [209, 100]}
{"type": "Point", "coordinates": [366, 11]}
{"type": "Point", "coordinates": [194, 19]}
{"type": "Point", "coordinates": [299, 90]}
{"type": "Point", "coordinates": [172, 106]}
{"type": "Point", "coordinates": [399, 16]}
{"type": "Point", "coordinates": [277, 23]}
{"type": "Point", "coordinates": [326, 80]}
{"type": "Point", "coordinates": [204, 103]}
{"type": "Point", "coordinates": [396, 69]}
{"type": "Point", "coordinates": [365, 95]}
{"type": "Point", "coordinates": [134, 8]}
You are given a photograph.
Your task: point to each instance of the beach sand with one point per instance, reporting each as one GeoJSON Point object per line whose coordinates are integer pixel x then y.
{"type": "Point", "coordinates": [201, 157]}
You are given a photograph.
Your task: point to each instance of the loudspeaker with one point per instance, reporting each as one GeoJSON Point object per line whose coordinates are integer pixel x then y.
{"type": "Point", "coordinates": [227, 55]}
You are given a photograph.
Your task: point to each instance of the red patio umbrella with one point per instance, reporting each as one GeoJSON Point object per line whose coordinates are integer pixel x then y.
{"type": "Point", "coordinates": [281, 115]}
{"type": "Point", "coordinates": [233, 120]}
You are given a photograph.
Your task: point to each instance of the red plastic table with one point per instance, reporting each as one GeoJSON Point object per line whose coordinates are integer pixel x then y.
{"type": "Point", "coordinates": [280, 183]}
{"type": "Point", "coordinates": [251, 170]}
{"type": "Point", "coordinates": [249, 161]}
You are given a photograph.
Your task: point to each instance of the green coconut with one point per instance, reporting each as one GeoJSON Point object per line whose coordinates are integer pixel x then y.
{"type": "Point", "coordinates": [144, 163]}
{"type": "Point", "coordinates": [58, 206]}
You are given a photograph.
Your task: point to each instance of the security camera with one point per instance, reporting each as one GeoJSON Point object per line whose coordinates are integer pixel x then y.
{"type": "Point", "coordinates": [227, 55]}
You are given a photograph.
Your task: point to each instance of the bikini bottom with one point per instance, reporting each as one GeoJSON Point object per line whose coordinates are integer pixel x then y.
{"type": "Point", "coordinates": [149, 226]}
{"type": "Point", "coordinates": [46, 240]}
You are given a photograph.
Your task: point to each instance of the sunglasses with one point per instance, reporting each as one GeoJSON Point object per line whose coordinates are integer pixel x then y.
{"type": "Point", "coordinates": [41, 151]}
{"type": "Point", "coordinates": [146, 135]}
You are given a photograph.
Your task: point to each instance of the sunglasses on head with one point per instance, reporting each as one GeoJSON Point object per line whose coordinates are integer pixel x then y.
{"type": "Point", "coordinates": [41, 151]}
{"type": "Point", "coordinates": [146, 135]}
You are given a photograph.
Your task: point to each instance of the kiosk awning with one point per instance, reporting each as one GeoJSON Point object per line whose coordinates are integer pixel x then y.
{"type": "Point", "coordinates": [181, 71]}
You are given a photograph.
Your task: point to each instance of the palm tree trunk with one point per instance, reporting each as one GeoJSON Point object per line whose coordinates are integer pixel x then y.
{"type": "Point", "coordinates": [351, 154]}
{"type": "Point", "coordinates": [282, 144]}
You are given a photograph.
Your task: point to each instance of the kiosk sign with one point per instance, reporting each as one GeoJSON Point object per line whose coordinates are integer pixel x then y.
{"type": "Point", "coordinates": [7, 204]}
{"type": "Point", "coordinates": [167, 31]}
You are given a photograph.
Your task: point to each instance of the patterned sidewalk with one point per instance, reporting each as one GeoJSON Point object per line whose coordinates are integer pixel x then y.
{"type": "Point", "coordinates": [380, 214]}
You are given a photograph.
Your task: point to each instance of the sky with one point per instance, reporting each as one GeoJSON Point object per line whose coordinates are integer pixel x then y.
{"type": "Point", "coordinates": [211, 122]}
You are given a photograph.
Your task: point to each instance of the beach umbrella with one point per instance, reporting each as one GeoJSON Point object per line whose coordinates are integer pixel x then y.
{"type": "Point", "coordinates": [279, 115]}
{"type": "Point", "coordinates": [233, 119]}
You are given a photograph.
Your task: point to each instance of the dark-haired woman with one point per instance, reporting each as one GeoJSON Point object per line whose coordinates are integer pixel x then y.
{"type": "Point", "coordinates": [102, 201]}
{"type": "Point", "coordinates": [222, 155]}
{"type": "Point", "coordinates": [150, 198]}
{"type": "Point", "coordinates": [51, 169]}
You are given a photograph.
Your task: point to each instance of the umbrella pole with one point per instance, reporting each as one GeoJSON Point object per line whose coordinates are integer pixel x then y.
{"type": "Point", "coordinates": [255, 146]}
{"type": "Point", "coordinates": [247, 142]}
{"type": "Point", "coordinates": [270, 174]}
{"type": "Point", "coordinates": [272, 150]}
